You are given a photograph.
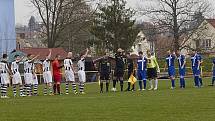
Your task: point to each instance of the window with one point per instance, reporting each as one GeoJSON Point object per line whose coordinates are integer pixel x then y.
{"type": "Point", "coordinates": [206, 43]}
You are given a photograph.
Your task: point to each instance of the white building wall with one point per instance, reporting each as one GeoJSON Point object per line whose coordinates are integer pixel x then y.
{"type": "Point", "coordinates": [141, 44]}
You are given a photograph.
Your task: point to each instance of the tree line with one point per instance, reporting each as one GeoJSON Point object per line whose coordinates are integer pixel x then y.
{"type": "Point", "coordinates": [111, 24]}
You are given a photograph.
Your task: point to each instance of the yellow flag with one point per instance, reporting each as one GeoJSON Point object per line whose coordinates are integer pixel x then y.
{"type": "Point", "coordinates": [132, 79]}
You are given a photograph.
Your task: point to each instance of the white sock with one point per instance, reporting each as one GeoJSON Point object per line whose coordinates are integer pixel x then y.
{"type": "Point", "coordinates": [150, 82]}
{"type": "Point", "coordinates": [156, 83]}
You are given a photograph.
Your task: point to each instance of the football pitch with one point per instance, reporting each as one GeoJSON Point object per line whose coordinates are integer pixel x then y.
{"type": "Point", "coordinates": [190, 104]}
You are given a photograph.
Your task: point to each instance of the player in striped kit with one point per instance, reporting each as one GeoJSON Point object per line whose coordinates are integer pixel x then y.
{"type": "Point", "coordinates": [28, 73]}
{"type": "Point", "coordinates": [69, 73]}
{"type": "Point", "coordinates": [141, 70]}
{"type": "Point", "coordinates": [182, 68]}
{"type": "Point", "coordinates": [81, 72]}
{"type": "Point", "coordinates": [16, 77]}
{"type": "Point", "coordinates": [170, 63]}
{"type": "Point", "coordinates": [47, 75]}
{"type": "Point", "coordinates": [4, 74]}
{"type": "Point", "coordinates": [35, 80]}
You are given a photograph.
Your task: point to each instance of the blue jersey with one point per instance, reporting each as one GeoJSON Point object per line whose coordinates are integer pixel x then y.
{"type": "Point", "coordinates": [181, 61]}
{"type": "Point", "coordinates": [170, 60]}
{"type": "Point", "coordinates": [214, 67]}
{"type": "Point", "coordinates": [142, 64]}
{"type": "Point", "coordinates": [195, 60]}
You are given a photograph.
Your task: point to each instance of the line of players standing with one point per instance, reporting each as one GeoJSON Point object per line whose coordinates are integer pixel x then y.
{"type": "Point", "coordinates": [31, 80]}
{"type": "Point", "coordinates": [148, 69]}
{"type": "Point", "coordinates": [30, 85]}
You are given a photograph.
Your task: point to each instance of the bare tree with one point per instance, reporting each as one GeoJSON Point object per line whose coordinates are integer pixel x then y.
{"type": "Point", "coordinates": [60, 17]}
{"type": "Point", "coordinates": [175, 17]}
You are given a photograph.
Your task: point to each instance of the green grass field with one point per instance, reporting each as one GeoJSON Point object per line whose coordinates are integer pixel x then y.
{"type": "Point", "coordinates": [190, 104]}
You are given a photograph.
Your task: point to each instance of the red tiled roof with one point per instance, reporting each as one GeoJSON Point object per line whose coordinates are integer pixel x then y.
{"type": "Point", "coordinates": [43, 52]}
{"type": "Point", "coordinates": [211, 21]}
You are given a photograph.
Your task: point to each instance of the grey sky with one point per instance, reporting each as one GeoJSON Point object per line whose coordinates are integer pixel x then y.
{"type": "Point", "coordinates": [23, 9]}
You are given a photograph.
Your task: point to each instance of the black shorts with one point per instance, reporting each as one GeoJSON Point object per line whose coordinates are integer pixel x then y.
{"type": "Point", "coordinates": [119, 73]}
{"type": "Point", "coordinates": [151, 73]}
{"type": "Point", "coordinates": [104, 76]}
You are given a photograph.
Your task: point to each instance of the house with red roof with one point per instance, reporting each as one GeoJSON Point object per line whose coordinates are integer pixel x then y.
{"type": "Point", "coordinates": [203, 39]}
{"type": "Point", "coordinates": [43, 52]}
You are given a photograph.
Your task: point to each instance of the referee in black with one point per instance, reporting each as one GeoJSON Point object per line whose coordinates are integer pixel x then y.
{"type": "Point", "coordinates": [104, 72]}
{"type": "Point", "coordinates": [119, 69]}
{"type": "Point", "coordinates": [130, 68]}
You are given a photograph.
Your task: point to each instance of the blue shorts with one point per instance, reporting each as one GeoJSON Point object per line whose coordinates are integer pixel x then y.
{"type": "Point", "coordinates": [213, 73]}
{"type": "Point", "coordinates": [171, 71]}
{"type": "Point", "coordinates": [182, 71]}
{"type": "Point", "coordinates": [141, 75]}
{"type": "Point", "coordinates": [196, 71]}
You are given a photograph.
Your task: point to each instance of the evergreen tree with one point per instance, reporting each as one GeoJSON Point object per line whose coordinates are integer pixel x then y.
{"type": "Point", "coordinates": [114, 26]}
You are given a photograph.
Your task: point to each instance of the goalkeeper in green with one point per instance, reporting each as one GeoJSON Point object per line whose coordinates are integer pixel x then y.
{"type": "Point", "coordinates": [152, 70]}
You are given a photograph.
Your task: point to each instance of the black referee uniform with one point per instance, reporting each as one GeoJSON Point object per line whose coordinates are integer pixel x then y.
{"type": "Point", "coordinates": [104, 72]}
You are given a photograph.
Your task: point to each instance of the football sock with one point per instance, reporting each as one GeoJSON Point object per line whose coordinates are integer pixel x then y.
{"type": "Point", "coordinates": [73, 86]}
{"type": "Point", "coordinates": [14, 90]}
{"type": "Point", "coordinates": [121, 85]}
{"type": "Point", "coordinates": [107, 86]}
{"type": "Point", "coordinates": [144, 84]}
{"type": "Point", "coordinates": [156, 83]}
{"type": "Point", "coordinates": [140, 84]}
{"type": "Point", "coordinates": [67, 87]}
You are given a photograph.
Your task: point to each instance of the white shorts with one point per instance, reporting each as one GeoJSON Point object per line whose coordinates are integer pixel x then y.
{"type": "Point", "coordinates": [5, 78]}
{"type": "Point", "coordinates": [81, 76]}
{"type": "Point", "coordinates": [28, 78]}
{"type": "Point", "coordinates": [69, 75]}
{"type": "Point", "coordinates": [35, 79]}
{"type": "Point", "coordinates": [47, 76]}
{"type": "Point", "coordinates": [17, 78]}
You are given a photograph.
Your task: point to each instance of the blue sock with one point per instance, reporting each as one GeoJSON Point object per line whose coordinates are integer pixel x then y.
{"type": "Point", "coordinates": [173, 83]}
{"type": "Point", "coordinates": [144, 84]}
{"type": "Point", "coordinates": [200, 81]}
{"type": "Point", "coordinates": [140, 84]}
{"type": "Point", "coordinates": [196, 79]}
{"type": "Point", "coordinates": [181, 82]}
{"type": "Point", "coordinates": [213, 80]}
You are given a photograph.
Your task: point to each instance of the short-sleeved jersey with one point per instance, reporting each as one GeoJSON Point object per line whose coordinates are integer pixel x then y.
{"type": "Point", "coordinates": [28, 66]}
{"type": "Point", "coordinates": [195, 60]}
{"type": "Point", "coordinates": [56, 69]}
{"type": "Point", "coordinates": [130, 64]}
{"type": "Point", "coordinates": [68, 64]}
{"type": "Point", "coordinates": [170, 60]}
{"type": "Point", "coordinates": [3, 67]}
{"type": "Point", "coordinates": [214, 64]}
{"type": "Point", "coordinates": [81, 64]}
{"type": "Point", "coordinates": [15, 67]}
{"type": "Point", "coordinates": [181, 60]}
{"type": "Point", "coordinates": [104, 66]}
{"type": "Point", "coordinates": [142, 63]}
{"type": "Point", "coordinates": [152, 62]}
{"type": "Point", "coordinates": [46, 65]}
{"type": "Point", "coordinates": [120, 62]}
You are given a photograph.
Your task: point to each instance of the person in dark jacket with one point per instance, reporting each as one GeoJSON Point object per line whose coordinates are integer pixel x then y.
{"type": "Point", "coordinates": [104, 72]}
{"type": "Point", "coordinates": [119, 69]}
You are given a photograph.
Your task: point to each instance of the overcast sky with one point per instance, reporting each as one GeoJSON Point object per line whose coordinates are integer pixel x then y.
{"type": "Point", "coordinates": [23, 9]}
